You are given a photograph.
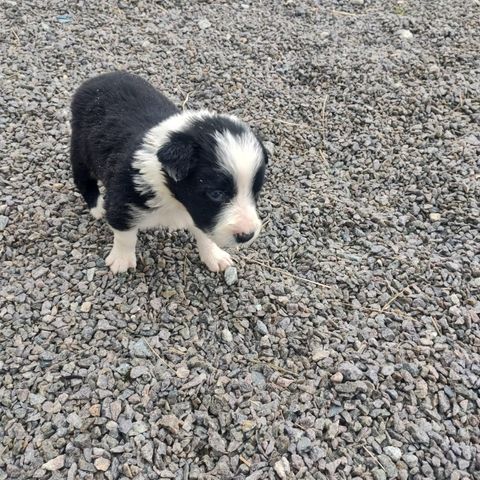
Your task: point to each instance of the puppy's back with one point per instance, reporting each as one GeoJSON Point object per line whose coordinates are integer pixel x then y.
{"type": "Point", "coordinates": [119, 96]}
{"type": "Point", "coordinates": [111, 114]}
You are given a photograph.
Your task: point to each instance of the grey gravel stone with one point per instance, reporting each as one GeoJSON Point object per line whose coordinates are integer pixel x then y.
{"type": "Point", "coordinates": [3, 222]}
{"type": "Point", "coordinates": [216, 442]}
{"type": "Point", "coordinates": [379, 474]}
{"type": "Point", "coordinates": [410, 459]}
{"type": "Point", "coordinates": [136, 372]}
{"type": "Point", "coordinates": [350, 371]}
{"type": "Point", "coordinates": [231, 275]}
{"type": "Point", "coordinates": [282, 468]}
{"type": "Point", "coordinates": [170, 422]}
{"type": "Point", "coordinates": [388, 465]}
{"type": "Point", "coordinates": [54, 464]}
{"type": "Point", "coordinates": [227, 335]}
{"type": "Point", "coordinates": [204, 23]}
{"type": "Point", "coordinates": [304, 445]}
{"type": "Point", "coordinates": [139, 348]}
{"type": "Point", "coordinates": [262, 328]}
{"type": "Point", "coordinates": [388, 334]}
{"type": "Point", "coordinates": [394, 453]}
{"type": "Point", "coordinates": [102, 464]}
{"type": "Point", "coordinates": [258, 379]}
{"type": "Point", "coordinates": [405, 34]}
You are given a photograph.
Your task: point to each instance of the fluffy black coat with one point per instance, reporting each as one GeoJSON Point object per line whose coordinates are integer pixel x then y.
{"type": "Point", "coordinates": [110, 115]}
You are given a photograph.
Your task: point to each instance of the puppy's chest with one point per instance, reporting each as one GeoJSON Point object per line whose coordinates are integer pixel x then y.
{"type": "Point", "coordinates": [165, 214]}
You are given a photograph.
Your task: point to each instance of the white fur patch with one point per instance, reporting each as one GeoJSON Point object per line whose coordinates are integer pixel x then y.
{"type": "Point", "coordinates": [166, 210]}
{"type": "Point", "coordinates": [122, 256]}
{"type": "Point", "coordinates": [99, 210]}
{"type": "Point", "coordinates": [152, 177]}
{"type": "Point", "coordinates": [211, 254]}
{"type": "Point", "coordinates": [241, 156]}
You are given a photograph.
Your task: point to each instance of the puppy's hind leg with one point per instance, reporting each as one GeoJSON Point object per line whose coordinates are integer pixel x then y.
{"type": "Point", "coordinates": [85, 182]}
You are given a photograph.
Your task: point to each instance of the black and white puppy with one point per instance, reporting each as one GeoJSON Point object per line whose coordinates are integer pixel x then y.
{"type": "Point", "coordinates": [164, 167]}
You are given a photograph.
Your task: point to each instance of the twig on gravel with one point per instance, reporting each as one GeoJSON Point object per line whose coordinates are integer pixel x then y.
{"type": "Point", "coordinates": [158, 356]}
{"type": "Point", "coordinates": [324, 158]}
{"type": "Point", "coordinates": [184, 275]}
{"type": "Point", "coordinates": [324, 122]}
{"type": "Point", "coordinates": [398, 294]}
{"type": "Point", "coordinates": [245, 461]}
{"type": "Point", "coordinates": [176, 351]}
{"type": "Point", "coordinates": [435, 324]}
{"type": "Point", "coordinates": [274, 367]}
{"type": "Point", "coordinates": [291, 124]}
{"type": "Point", "coordinates": [186, 100]}
{"type": "Point", "coordinates": [287, 273]}
{"type": "Point", "coordinates": [373, 456]}
{"type": "Point", "coordinates": [14, 33]}
{"type": "Point", "coordinates": [346, 14]}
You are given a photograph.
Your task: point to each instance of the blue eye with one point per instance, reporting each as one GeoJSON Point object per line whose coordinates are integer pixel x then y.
{"type": "Point", "coordinates": [216, 195]}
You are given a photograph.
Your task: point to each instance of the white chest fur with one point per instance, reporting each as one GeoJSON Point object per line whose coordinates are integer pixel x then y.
{"type": "Point", "coordinates": [170, 213]}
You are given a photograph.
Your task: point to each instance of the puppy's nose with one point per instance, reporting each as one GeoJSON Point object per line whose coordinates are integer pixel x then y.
{"type": "Point", "coordinates": [244, 237]}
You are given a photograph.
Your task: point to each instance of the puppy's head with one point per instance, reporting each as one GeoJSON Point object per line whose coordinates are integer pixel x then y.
{"type": "Point", "coordinates": [215, 167]}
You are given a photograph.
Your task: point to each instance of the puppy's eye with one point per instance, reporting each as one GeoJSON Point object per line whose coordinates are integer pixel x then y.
{"type": "Point", "coordinates": [217, 195]}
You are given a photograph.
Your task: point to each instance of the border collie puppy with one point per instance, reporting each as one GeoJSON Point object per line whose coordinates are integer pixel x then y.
{"type": "Point", "coordinates": [164, 167]}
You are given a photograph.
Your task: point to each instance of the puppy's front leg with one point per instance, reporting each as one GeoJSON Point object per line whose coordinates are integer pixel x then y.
{"type": "Point", "coordinates": [211, 254]}
{"type": "Point", "coordinates": [122, 255]}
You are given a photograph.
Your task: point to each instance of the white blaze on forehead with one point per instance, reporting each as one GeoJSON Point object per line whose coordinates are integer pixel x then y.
{"type": "Point", "coordinates": [241, 155]}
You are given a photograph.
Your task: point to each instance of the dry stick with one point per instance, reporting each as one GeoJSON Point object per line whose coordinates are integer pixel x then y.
{"type": "Point", "coordinates": [437, 328]}
{"type": "Point", "coordinates": [245, 461]}
{"type": "Point", "coordinates": [274, 367]}
{"type": "Point", "coordinates": [186, 100]}
{"type": "Point", "coordinates": [373, 456]}
{"type": "Point", "coordinates": [288, 274]}
{"type": "Point", "coordinates": [324, 158]}
{"type": "Point", "coordinates": [398, 294]}
{"type": "Point", "coordinates": [292, 124]}
{"type": "Point", "coordinates": [158, 356]}
{"type": "Point", "coordinates": [185, 260]}
{"type": "Point", "coordinates": [324, 127]}
{"type": "Point", "coordinates": [324, 123]}
{"type": "Point", "coordinates": [348, 14]}
{"type": "Point", "coordinates": [16, 36]}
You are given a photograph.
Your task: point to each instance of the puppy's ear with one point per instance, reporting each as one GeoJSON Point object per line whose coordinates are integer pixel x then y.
{"type": "Point", "coordinates": [177, 156]}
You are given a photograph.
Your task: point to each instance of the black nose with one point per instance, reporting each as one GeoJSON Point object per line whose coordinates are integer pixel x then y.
{"type": "Point", "coordinates": [243, 237]}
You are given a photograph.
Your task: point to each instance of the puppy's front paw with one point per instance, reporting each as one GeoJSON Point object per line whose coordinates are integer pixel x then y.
{"type": "Point", "coordinates": [216, 259]}
{"type": "Point", "coordinates": [120, 261]}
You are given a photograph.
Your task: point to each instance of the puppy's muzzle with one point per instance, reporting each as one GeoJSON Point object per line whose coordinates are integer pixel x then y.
{"type": "Point", "coordinates": [244, 237]}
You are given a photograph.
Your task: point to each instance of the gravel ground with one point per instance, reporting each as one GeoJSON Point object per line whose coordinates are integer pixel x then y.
{"type": "Point", "coordinates": [348, 346]}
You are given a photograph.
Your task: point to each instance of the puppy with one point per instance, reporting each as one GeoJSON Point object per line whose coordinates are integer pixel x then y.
{"type": "Point", "coordinates": [163, 167]}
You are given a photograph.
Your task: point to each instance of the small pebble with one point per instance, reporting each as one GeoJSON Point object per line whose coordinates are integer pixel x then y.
{"type": "Point", "coordinates": [393, 452]}
{"type": "Point", "coordinates": [102, 464]}
{"type": "Point", "coordinates": [204, 23]}
{"type": "Point", "coordinates": [54, 464]}
{"type": "Point", "coordinates": [337, 377]}
{"type": "Point", "coordinates": [405, 34]}
{"type": "Point", "coordinates": [231, 275]}
{"type": "Point", "coordinates": [282, 468]}
{"type": "Point", "coordinates": [86, 307]}
{"type": "Point", "coordinates": [227, 335]}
